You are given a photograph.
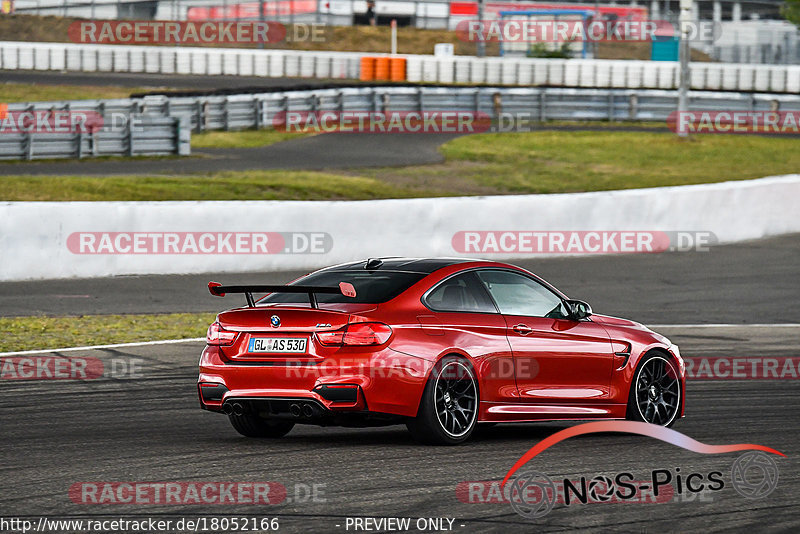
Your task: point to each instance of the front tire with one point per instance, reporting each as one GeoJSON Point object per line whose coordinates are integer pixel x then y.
{"type": "Point", "coordinates": [448, 412]}
{"type": "Point", "coordinates": [253, 426]}
{"type": "Point", "coordinates": [655, 395]}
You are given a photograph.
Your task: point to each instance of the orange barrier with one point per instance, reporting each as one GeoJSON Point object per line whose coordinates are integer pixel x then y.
{"type": "Point", "coordinates": [382, 68]}
{"type": "Point", "coordinates": [367, 68]}
{"type": "Point", "coordinates": [397, 69]}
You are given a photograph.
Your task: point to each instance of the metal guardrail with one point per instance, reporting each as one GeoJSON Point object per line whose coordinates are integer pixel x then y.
{"type": "Point", "coordinates": [259, 110]}
{"type": "Point", "coordinates": [165, 123]}
{"type": "Point", "coordinates": [125, 134]}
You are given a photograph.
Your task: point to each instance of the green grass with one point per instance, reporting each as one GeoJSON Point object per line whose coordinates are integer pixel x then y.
{"type": "Point", "coordinates": [32, 92]}
{"type": "Point", "coordinates": [250, 185]}
{"type": "Point", "coordinates": [241, 139]}
{"type": "Point", "coordinates": [595, 124]}
{"type": "Point", "coordinates": [265, 137]}
{"type": "Point", "coordinates": [559, 162]}
{"type": "Point", "coordinates": [508, 163]}
{"type": "Point", "coordinates": [32, 333]}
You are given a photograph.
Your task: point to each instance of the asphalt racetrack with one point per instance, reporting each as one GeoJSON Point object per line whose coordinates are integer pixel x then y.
{"type": "Point", "coordinates": [146, 426]}
{"type": "Point", "coordinates": [752, 282]}
{"type": "Point", "coordinates": [327, 151]}
{"type": "Point", "coordinates": [151, 429]}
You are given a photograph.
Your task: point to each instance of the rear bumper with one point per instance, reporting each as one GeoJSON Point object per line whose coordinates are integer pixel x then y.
{"type": "Point", "coordinates": [351, 381]}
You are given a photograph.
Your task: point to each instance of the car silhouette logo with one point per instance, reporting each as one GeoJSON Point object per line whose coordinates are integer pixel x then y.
{"type": "Point", "coordinates": [275, 321]}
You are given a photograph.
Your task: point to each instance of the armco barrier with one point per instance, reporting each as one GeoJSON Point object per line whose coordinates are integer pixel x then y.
{"type": "Point", "coordinates": [621, 74]}
{"type": "Point", "coordinates": [55, 240]}
{"type": "Point", "coordinates": [232, 112]}
{"type": "Point", "coordinates": [162, 123]}
{"type": "Point", "coordinates": [123, 134]}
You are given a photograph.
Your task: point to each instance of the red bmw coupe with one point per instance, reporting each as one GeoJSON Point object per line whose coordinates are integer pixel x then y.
{"type": "Point", "coordinates": [441, 345]}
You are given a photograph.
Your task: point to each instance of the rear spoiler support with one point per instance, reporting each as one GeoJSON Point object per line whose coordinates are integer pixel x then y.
{"type": "Point", "coordinates": [344, 288]}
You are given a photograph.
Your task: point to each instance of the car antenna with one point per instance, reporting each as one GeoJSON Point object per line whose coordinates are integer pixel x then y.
{"type": "Point", "coordinates": [372, 264]}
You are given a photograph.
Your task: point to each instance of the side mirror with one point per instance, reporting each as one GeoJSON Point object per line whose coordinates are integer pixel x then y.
{"type": "Point", "coordinates": [578, 309]}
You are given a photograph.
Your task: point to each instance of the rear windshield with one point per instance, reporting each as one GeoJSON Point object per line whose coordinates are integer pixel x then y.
{"type": "Point", "coordinates": [371, 287]}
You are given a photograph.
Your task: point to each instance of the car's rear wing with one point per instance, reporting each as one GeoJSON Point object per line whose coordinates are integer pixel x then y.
{"type": "Point", "coordinates": [344, 288]}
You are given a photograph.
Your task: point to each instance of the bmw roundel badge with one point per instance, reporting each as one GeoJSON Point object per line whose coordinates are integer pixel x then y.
{"type": "Point", "coordinates": [275, 321]}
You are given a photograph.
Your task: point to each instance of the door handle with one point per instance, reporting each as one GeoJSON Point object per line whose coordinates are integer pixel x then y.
{"type": "Point", "coordinates": [522, 329]}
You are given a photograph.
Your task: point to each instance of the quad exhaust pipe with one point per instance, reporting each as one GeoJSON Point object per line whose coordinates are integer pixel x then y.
{"type": "Point", "coordinates": [302, 410]}
{"type": "Point", "coordinates": [296, 409]}
{"type": "Point", "coordinates": [233, 408]}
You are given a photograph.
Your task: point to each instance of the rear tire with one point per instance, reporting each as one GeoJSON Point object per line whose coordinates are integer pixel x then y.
{"type": "Point", "coordinates": [655, 394]}
{"type": "Point", "coordinates": [448, 412]}
{"type": "Point", "coordinates": [253, 426]}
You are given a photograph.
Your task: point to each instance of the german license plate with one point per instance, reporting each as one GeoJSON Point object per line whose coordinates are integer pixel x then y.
{"type": "Point", "coordinates": [278, 344]}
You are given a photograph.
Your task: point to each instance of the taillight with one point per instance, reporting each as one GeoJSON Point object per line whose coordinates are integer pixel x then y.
{"type": "Point", "coordinates": [217, 335]}
{"type": "Point", "coordinates": [331, 338]}
{"type": "Point", "coordinates": [357, 335]}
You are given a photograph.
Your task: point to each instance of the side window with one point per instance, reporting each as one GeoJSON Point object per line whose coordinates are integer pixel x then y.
{"type": "Point", "coordinates": [461, 293]}
{"type": "Point", "coordinates": [515, 294]}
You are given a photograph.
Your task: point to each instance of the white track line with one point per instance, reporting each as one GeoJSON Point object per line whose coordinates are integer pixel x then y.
{"type": "Point", "coordinates": [114, 346]}
{"type": "Point", "coordinates": [194, 339]}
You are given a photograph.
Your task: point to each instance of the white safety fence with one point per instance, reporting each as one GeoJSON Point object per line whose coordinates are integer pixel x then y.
{"type": "Point", "coordinates": [43, 240]}
{"type": "Point", "coordinates": [602, 73]}
{"type": "Point", "coordinates": [623, 74]}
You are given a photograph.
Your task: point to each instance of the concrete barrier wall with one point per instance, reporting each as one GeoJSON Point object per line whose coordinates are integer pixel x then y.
{"type": "Point", "coordinates": [41, 240]}
{"type": "Point", "coordinates": [622, 74]}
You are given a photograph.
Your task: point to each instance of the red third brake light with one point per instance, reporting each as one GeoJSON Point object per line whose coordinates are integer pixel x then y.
{"type": "Point", "coordinates": [217, 335]}
{"type": "Point", "coordinates": [357, 334]}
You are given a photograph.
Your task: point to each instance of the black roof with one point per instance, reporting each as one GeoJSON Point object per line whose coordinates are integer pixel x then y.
{"type": "Point", "coordinates": [410, 265]}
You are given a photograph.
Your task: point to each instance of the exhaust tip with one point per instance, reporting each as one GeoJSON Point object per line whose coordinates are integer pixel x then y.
{"type": "Point", "coordinates": [238, 409]}
{"type": "Point", "coordinates": [294, 409]}
{"type": "Point", "coordinates": [227, 409]}
{"type": "Point", "coordinates": [308, 411]}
